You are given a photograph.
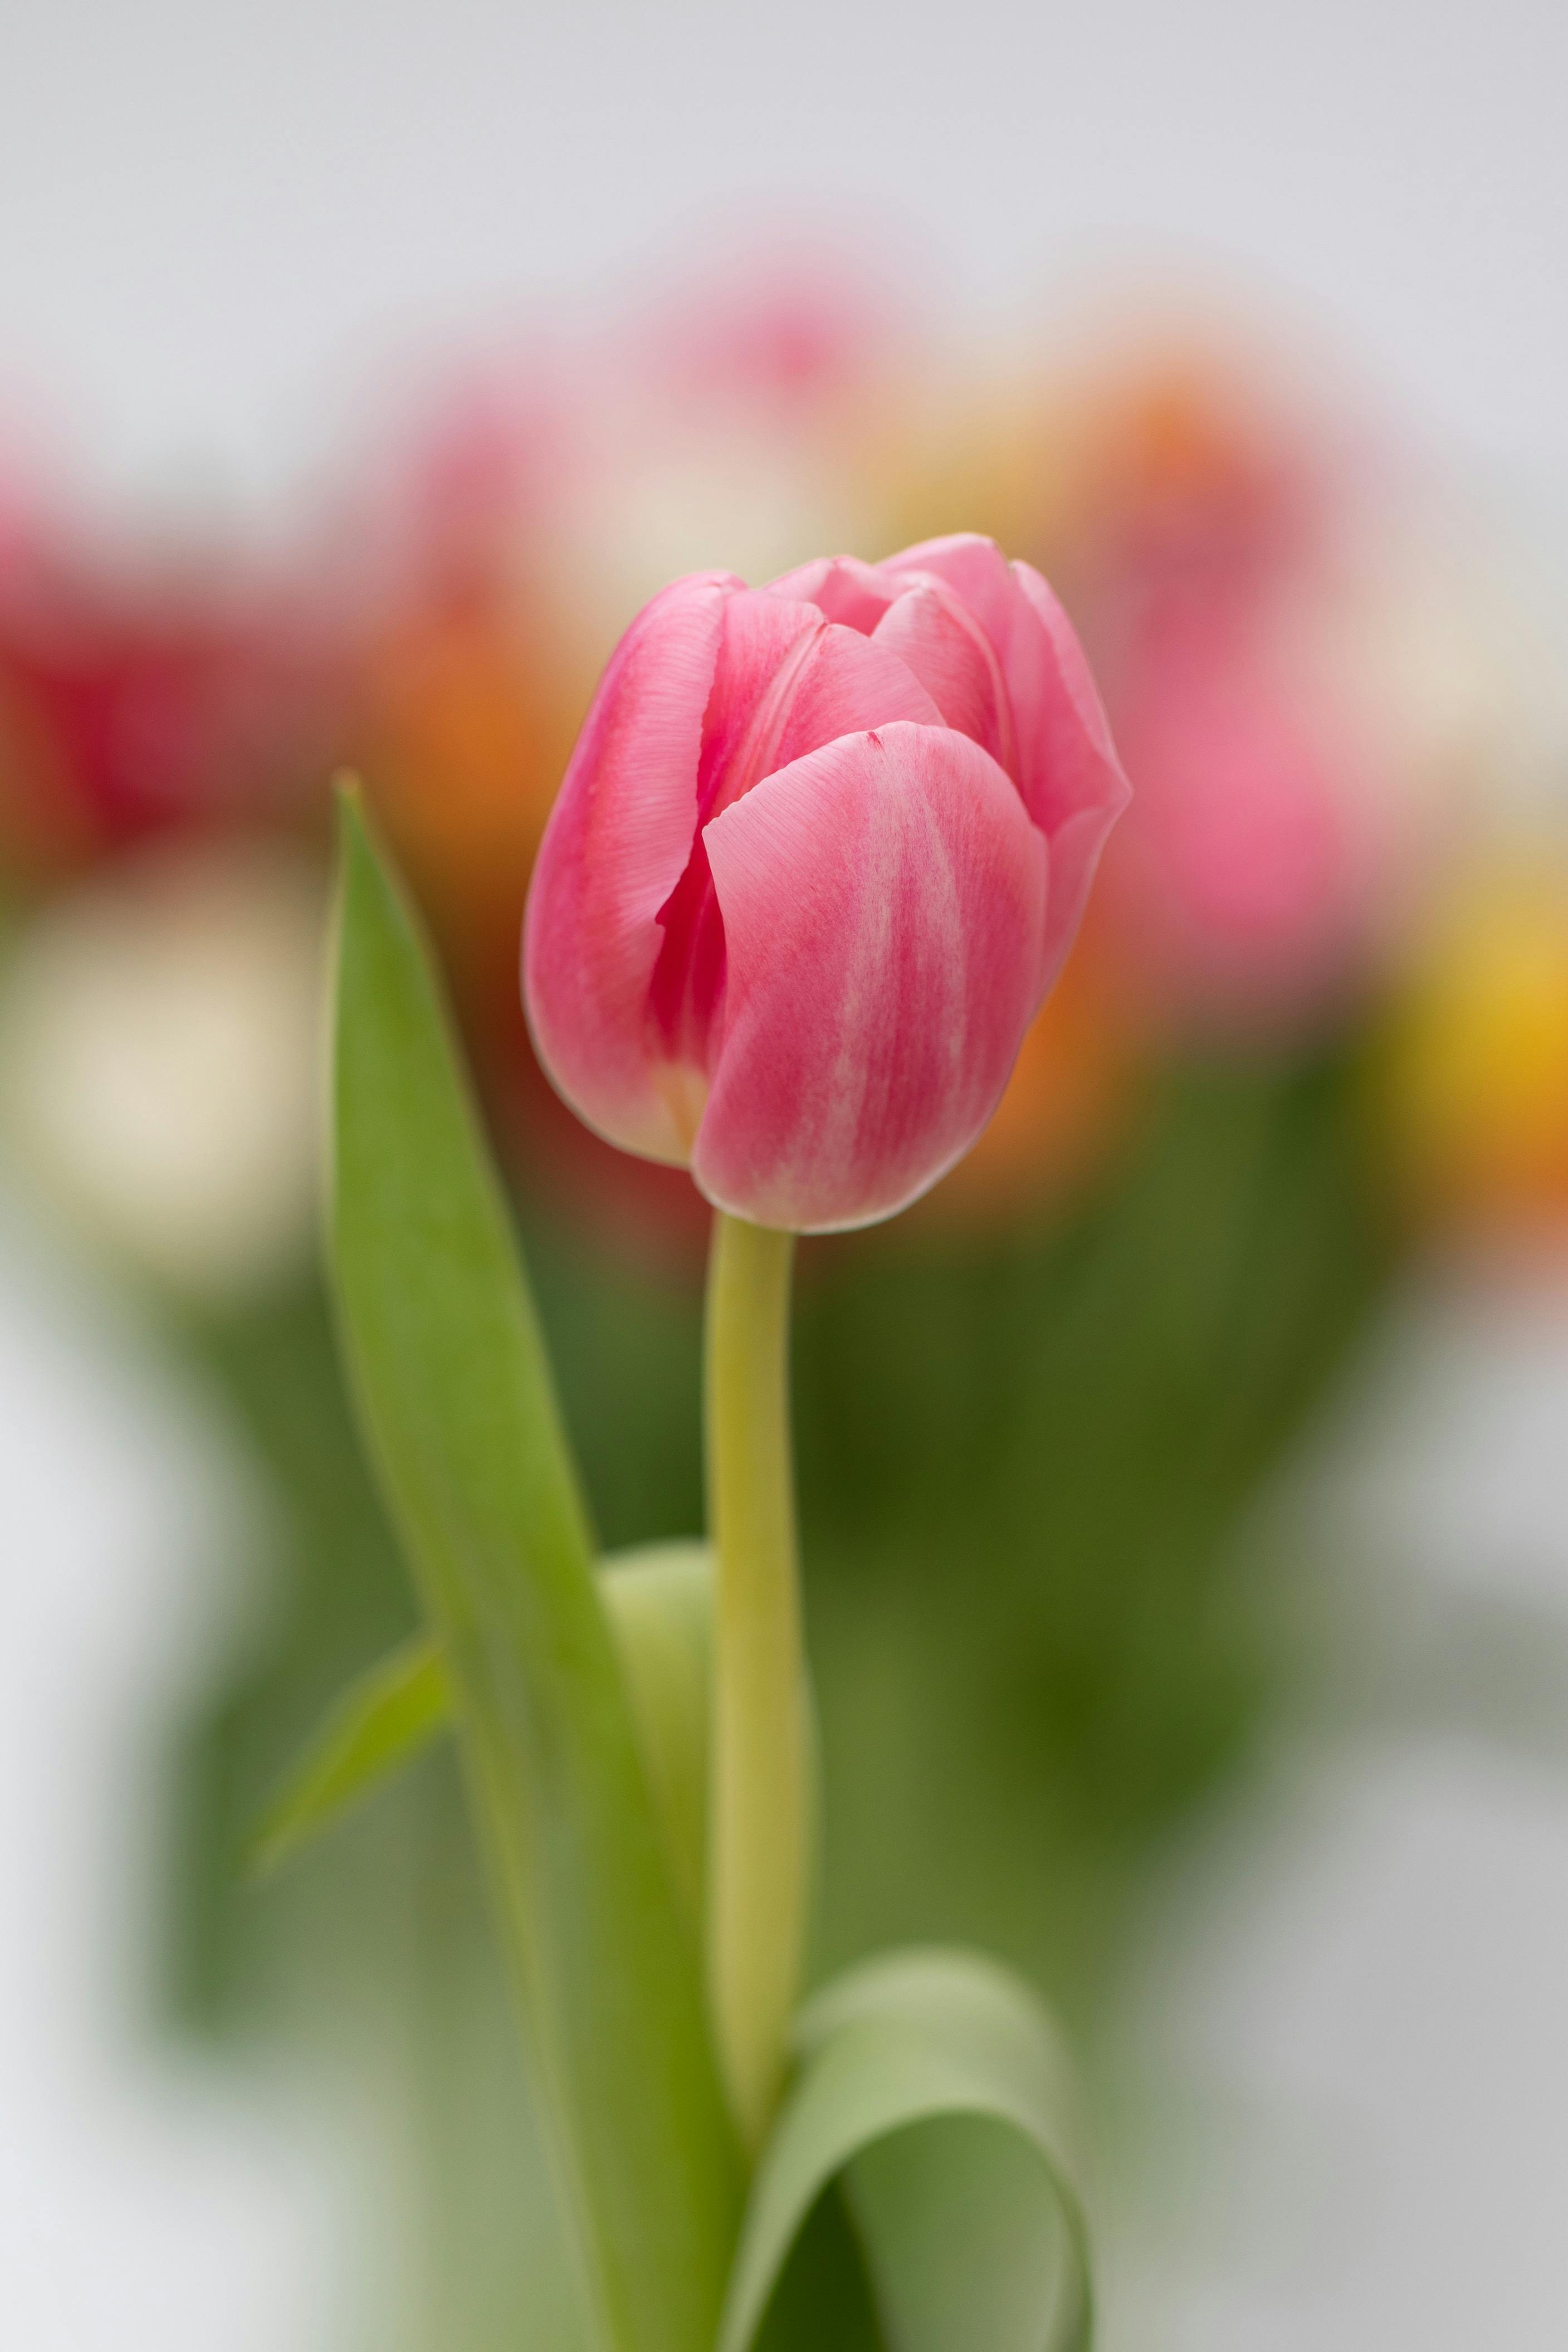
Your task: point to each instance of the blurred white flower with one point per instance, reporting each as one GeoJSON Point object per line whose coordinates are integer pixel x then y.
{"type": "Point", "coordinates": [734, 500]}
{"type": "Point", "coordinates": [1440, 644]}
{"type": "Point", "coordinates": [160, 1035]}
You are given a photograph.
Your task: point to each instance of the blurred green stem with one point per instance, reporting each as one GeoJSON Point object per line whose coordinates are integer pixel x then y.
{"type": "Point", "coordinates": [759, 1861]}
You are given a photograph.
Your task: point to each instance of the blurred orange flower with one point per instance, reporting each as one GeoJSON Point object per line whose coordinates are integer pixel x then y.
{"type": "Point", "coordinates": [1073, 1087]}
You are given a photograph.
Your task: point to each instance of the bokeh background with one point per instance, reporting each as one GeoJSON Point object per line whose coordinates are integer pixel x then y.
{"type": "Point", "coordinates": [1186, 1482]}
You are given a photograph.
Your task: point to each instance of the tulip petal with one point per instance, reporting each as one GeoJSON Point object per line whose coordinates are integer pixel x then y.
{"type": "Point", "coordinates": [1065, 765]}
{"type": "Point", "coordinates": [616, 844]}
{"type": "Point", "coordinates": [951, 655]}
{"type": "Point", "coordinates": [789, 681]}
{"type": "Point", "coordinates": [847, 684]}
{"type": "Point", "coordinates": [762, 643]}
{"type": "Point", "coordinates": [976, 572]}
{"type": "Point", "coordinates": [1071, 778]}
{"type": "Point", "coordinates": [884, 902]}
{"type": "Point", "coordinates": [842, 587]}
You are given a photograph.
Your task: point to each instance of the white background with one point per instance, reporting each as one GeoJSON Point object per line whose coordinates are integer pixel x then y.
{"type": "Point", "coordinates": [215, 216]}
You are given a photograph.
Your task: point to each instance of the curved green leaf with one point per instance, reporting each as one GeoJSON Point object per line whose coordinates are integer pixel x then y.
{"type": "Point", "coordinates": [932, 2085]}
{"type": "Point", "coordinates": [456, 1402]}
{"type": "Point", "coordinates": [659, 1600]}
{"type": "Point", "coordinates": [379, 1723]}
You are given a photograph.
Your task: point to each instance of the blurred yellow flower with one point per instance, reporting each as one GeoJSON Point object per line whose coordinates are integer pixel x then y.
{"type": "Point", "coordinates": [1473, 1075]}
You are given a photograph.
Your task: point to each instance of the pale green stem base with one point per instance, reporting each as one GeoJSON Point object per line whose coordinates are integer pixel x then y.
{"type": "Point", "coordinates": [759, 1826]}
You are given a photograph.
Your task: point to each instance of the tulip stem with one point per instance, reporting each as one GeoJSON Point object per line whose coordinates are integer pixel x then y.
{"type": "Point", "coordinates": [759, 1824]}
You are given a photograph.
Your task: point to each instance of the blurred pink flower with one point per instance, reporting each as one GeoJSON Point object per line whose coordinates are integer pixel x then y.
{"type": "Point", "coordinates": [1237, 893]}
{"type": "Point", "coordinates": [819, 853]}
{"type": "Point", "coordinates": [1213, 528]}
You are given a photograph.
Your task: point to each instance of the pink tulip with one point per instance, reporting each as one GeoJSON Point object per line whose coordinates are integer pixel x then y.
{"type": "Point", "coordinates": [818, 858]}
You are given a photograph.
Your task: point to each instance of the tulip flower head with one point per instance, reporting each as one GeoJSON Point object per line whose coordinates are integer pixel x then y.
{"type": "Point", "coordinates": [818, 855]}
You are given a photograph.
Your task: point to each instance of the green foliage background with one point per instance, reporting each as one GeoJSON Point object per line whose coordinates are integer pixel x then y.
{"type": "Point", "coordinates": [1028, 1463]}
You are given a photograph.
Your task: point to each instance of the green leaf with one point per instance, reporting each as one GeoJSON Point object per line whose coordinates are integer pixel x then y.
{"type": "Point", "coordinates": [823, 2301]}
{"type": "Point", "coordinates": [659, 1600]}
{"type": "Point", "coordinates": [384, 1718]}
{"type": "Point", "coordinates": [457, 1405]}
{"type": "Point", "coordinates": [932, 2088]}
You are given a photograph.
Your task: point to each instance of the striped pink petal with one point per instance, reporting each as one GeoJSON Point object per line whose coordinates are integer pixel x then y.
{"type": "Point", "coordinates": [616, 846]}
{"type": "Point", "coordinates": [1071, 778]}
{"type": "Point", "coordinates": [1062, 759]}
{"type": "Point", "coordinates": [787, 681]}
{"type": "Point", "coordinates": [884, 903]}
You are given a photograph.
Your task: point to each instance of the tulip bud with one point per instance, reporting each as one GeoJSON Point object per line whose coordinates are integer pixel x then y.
{"type": "Point", "coordinates": [818, 858]}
